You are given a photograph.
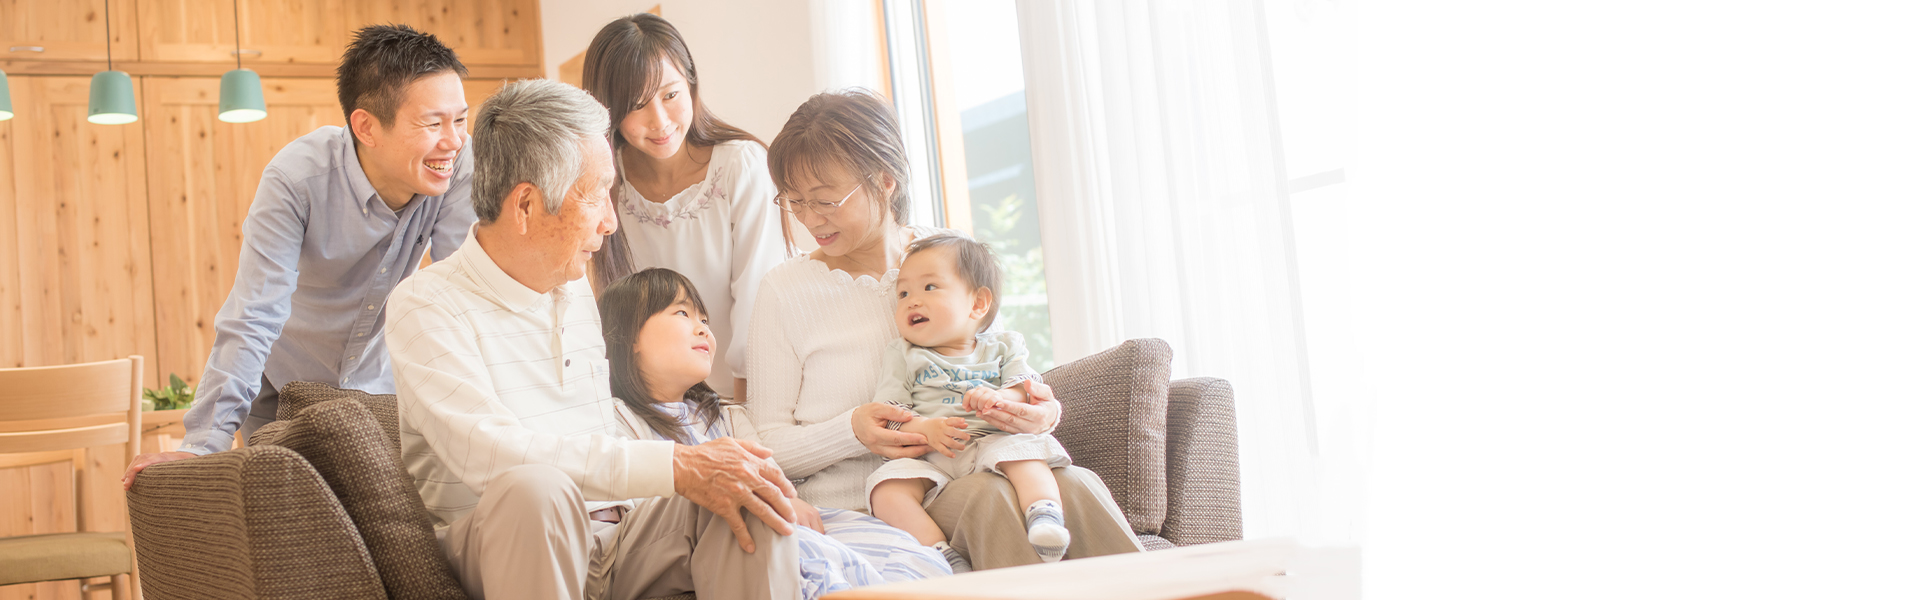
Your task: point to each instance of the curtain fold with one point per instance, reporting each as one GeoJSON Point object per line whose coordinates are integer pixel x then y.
{"type": "Point", "coordinates": [1164, 212]}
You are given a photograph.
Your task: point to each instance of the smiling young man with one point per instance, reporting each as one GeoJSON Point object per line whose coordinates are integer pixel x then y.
{"type": "Point", "coordinates": [341, 216]}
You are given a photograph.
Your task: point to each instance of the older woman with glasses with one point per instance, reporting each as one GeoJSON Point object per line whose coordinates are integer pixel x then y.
{"type": "Point", "coordinates": [823, 321]}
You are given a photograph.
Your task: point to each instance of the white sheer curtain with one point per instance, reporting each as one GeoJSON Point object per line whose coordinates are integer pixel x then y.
{"type": "Point", "coordinates": [1164, 213]}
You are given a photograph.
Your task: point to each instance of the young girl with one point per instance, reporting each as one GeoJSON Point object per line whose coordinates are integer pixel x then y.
{"type": "Point", "coordinates": [693, 193]}
{"type": "Point", "coordinates": [659, 351]}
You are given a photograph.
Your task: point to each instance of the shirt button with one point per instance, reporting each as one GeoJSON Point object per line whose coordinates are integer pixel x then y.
{"type": "Point", "coordinates": [353, 357]}
{"type": "Point", "coordinates": [383, 270]}
{"type": "Point", "coordinates": [361, 334]}
{"type": "Point", "coordinates": [567, 363]}
{"type": "Point", "coordinates": [369, 307]}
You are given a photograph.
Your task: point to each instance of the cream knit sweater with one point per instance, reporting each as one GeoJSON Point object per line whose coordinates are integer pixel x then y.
{"type": "Point", "coordinates": [813, 355]}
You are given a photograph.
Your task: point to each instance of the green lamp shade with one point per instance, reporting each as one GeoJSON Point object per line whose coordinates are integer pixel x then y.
{"type": "Point", "coordinates": [110, 100]}
{"type": "Point", "coordinates": [241, 100]}
{"type": "Point", "coordinates": [6, 98]}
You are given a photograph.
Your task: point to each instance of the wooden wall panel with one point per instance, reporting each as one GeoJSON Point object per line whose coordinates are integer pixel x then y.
{"type": "Point", "coordinates": [202, 177]}
{"type": "Point", "coordinates": [13, 352]}
{"type": "Point", "coordinates": [84, 278]}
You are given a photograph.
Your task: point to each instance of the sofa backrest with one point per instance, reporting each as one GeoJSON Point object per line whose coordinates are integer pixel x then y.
{"type": "Point", "coordinates": [358, 455]}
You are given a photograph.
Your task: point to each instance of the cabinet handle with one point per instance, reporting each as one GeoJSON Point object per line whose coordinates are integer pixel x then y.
{"type": "Point", "coordinates": [246, 52]}
{"type": "Point", "coordinates": [28, 48]}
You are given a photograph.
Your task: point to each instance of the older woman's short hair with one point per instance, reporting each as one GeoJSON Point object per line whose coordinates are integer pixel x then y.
{"type": "Point", "coordinates": [532, 131]}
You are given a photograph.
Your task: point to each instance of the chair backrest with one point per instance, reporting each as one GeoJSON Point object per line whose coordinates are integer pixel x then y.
{"type": "Point", "coordinates": [87, 414]}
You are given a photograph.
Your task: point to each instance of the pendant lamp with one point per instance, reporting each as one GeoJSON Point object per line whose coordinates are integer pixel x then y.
{"type": "Point", "coordinates": [6, 99]}
{"type": "Point", "coordinates": [110, 99]}
{"type": "Point", "coordinates": [241, 100]}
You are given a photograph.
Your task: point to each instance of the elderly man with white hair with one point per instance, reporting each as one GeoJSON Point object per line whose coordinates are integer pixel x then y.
{"type": "Point", "coordinates": [507, 424]}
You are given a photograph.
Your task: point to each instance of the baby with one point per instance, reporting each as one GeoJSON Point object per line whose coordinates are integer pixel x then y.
{"type": "Point", "coordinates": [945, 367]}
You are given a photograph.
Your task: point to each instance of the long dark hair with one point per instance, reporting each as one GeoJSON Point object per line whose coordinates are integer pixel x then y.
{"type": "Point", "coordinates": [623, 66]}
{"type": "Point", "coordinates": [625, 306]}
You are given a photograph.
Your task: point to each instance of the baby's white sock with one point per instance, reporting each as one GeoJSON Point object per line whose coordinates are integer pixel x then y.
{"type": "Point", "coordinates": [959, 563]}
{"type": "Point", "coordinates": [1047, 530]}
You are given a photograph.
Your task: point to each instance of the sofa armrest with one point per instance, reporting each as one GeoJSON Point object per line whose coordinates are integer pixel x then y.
{"type": "Point", "coordinates": [257, 522]}
{"type": "Point", "coordinates": [1203, 463]}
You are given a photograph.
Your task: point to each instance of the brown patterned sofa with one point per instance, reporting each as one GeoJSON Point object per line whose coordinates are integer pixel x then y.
{"type": "Point", "coordinates": [1168, 450]}
{"type": "Point", "coordinates": [318, 504]}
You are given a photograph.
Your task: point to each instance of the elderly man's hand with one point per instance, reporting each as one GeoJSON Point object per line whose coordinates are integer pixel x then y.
{"type": "Point", "coordinates": [727, 475]}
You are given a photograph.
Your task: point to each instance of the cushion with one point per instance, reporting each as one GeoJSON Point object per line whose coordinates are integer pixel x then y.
{"type": "Point", "coordinates": [1203, 463]}
{"type": "Point", "coordinates": [1114, 423]}
{"type": "Point", "coordinates": [345, 444]}
{"type": "Point", "coordinates": [60, 556]}
{"type": "Point", "coordinates": [301, 395]}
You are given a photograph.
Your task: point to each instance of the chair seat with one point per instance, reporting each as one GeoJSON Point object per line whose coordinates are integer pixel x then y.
{"type": "Point", "coordinates": [62, 556]}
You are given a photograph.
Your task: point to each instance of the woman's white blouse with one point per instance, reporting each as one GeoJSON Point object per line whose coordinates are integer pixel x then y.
{"type": "Point", "coordinates": [723, 234]}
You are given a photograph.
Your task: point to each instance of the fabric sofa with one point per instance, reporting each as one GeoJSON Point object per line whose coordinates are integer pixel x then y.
{"type": "Point", "coordinates": [318, 506]}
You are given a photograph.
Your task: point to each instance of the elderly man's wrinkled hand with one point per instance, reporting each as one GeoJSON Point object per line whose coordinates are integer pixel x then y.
{"type": "Point", "coordinates": [728, 475]}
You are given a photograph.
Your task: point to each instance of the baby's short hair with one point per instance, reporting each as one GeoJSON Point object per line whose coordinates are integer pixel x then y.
{"type": "Point", "coordinates": [973, 260]}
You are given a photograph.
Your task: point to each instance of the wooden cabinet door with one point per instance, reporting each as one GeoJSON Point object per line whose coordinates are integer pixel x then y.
{"type": "Point", "coordinates": [79, 285]}
{"type": "Point", "coordinates": [479, 89]}
{"type": "Point", "coordinates": [203, 174]}
{"type": "Point", "coordinates": [65, 30]}
{"type": "Point", "coordinates": [270, 31]}
{"type": "Point", "coordinates": [482, 32]}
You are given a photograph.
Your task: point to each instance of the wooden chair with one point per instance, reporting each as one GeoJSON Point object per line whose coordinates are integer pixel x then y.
{"type": "Point", "coordinates": [87, 415]}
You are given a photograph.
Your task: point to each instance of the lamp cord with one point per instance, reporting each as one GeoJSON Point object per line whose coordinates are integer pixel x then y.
{"type": "Point", "coordinates": [109, 5]}
{"type": "Point", "coordinates": [236, 34]}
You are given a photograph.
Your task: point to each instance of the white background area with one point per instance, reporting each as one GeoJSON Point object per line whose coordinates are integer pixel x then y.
{"type": "Point", "coordinates": [1637, 286]}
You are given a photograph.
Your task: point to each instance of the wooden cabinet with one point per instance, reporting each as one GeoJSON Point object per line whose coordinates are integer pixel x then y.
{"type": "Point", "coordinates": [65, 30]}
{"type": "Point", "coordinates": [482, 32]}
{"type": "Point", "coordinates": [201, 178]}
{"type": "Point", "coordinates": [79, 285]}
{"type": "Point", "coordinates": [278, 38]}
{"type": "Point", "coordinates": [270, 31]}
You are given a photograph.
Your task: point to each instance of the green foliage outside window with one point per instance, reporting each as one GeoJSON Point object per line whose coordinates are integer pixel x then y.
{"type": "Point", "coordinates": [1023, 304]}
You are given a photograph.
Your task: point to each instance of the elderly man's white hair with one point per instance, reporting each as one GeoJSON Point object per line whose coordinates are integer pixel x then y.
{"type": "Point", "coordinates": [532, 131]}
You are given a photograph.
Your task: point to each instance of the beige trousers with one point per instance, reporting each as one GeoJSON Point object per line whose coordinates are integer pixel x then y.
{"type": "Point", "coordinates": [530, 538]}
{"type": "Point", "coordinates": [983, 519]}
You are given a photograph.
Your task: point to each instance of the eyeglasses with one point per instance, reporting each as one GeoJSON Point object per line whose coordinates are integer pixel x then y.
{"type": "Point", "coordinates": [821, 208]}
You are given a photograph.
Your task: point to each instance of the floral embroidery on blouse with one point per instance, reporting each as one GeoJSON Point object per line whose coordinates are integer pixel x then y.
{"type": "Point", "coordinates": [707, 197]}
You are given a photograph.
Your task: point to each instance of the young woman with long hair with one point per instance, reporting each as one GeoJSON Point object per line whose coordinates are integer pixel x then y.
{"type": "Point", "coordinates": [693, 193]}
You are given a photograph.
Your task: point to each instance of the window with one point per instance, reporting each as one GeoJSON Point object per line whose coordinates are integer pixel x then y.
{"type": "Point", "coordinates": [956, 80]}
